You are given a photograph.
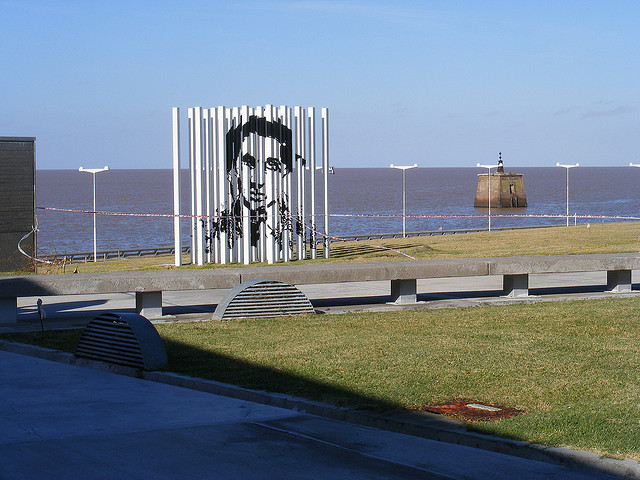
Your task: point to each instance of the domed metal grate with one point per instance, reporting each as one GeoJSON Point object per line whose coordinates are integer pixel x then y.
{"type": "Point", "coordinates": [262, 298]}
{"type": "Point", "coordinates": [125, 339]}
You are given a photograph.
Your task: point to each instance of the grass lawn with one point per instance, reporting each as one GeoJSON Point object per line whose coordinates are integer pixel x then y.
{"type": "Point", "coordinates": [593, 238]}
{"type": "Point", "coordinates": [573, 366]}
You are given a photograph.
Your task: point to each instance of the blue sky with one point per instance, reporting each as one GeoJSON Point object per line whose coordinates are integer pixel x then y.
{"type": "Point", "coordinates": [438, 83]}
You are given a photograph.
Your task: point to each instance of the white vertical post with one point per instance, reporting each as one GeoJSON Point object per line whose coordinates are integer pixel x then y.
{"type": "Point", "coordinates": [259, 179]}
{"type": "Point", "coordinates": [206, 225]}
{"type": "Point", "coordinates": [93, 172]}
{"type": "Point", "coordinates": [404, 168]}
{"type": "Point", "coordinates": [254, 188]}
{"type": "Point", "coordinates": [213, 243]}
{"type": "Point", "coordinates": [192, 185]}
{"type": "Point", "coordinates": [223, 186]}
{"type": "Point", "coordinates": [325, 173]}
{"type": "Point", "coordinates": [287, 230]}
{"type": "Point", "coordinates": [302, 194]}
{"type": "Point", "coordinates": [197, 140]}
{"type": "Point", "coordinates": [568, 167]}
{"type": "Point", "coordinates": [245, 176]}
{"type": "Point", "coordinates": [488, 167]}
{"type": "Point", "coordinates": [177, 240]}
{"type": "Point", "coordinates": [312, 180]}
{"type": "Point", "coordinates": [236, 251]}
{"type": "Point", "coordinates": [269, 189]}
{"type": "Point", "coordinates": [298, 166]}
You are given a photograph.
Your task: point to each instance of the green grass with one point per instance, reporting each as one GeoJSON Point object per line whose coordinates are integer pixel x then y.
{"type": "Point", "coordinates": [596, 238]}
{"type": "Point", "coordinates": [573, 366]}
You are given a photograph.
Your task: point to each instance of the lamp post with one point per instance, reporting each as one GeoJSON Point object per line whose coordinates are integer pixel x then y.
{"type": "Point", "coordinates": [634, 165]}
{"type": "Point", "coordinates": [404, 169]}
{"type": "Point", "coordinates": [488, 167]}
{"type": "Point", "coordinates": [567, 167]}
{"type": "Point", "coordinates": [93, 172]}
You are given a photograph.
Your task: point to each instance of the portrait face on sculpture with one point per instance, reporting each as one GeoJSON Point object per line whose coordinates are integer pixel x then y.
{"type": "Point", "coordinates": [257, 201]}
{"type": "Point", "coordinates": [264, 128]}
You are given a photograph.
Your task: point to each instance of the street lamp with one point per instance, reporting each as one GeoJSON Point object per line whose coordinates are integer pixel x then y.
{"type": "Point", "coordinates": [404, 169]}
{"type": "Point", "coordinates": [567, 167]}
{"type": "Point", "coordinates": [93, 172]}
{"type": "Point", "coordinates": [488, 167]}
{"type": "Point", "coordinates": [634, 165]}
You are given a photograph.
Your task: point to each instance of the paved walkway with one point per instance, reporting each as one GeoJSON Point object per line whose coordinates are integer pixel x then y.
{"type": "Point", "coordinates": [60, 421]}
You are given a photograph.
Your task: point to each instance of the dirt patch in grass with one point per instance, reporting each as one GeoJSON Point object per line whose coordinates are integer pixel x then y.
{"type": "Point", "coordinates": [472, 411]}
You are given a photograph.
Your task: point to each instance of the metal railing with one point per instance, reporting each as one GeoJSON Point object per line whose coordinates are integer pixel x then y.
{"type": "Point", "coordinates": [110, 254]}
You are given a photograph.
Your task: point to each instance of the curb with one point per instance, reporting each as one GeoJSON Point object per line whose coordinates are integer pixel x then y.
{"type": "Point", "coordinates": [424, 425]}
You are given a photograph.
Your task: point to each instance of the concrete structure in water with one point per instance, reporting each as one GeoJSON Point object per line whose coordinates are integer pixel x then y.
{"type": "Point", "coordinates": [507, 189]}
{"type": "Point", "coordinates": [17, 201]}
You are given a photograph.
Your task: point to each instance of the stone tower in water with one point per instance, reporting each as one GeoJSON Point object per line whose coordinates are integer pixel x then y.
{"type": "Point", "coordinates": [506, 190]}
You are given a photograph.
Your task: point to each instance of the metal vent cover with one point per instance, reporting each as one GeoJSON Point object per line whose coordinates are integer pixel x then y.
{"type": "Point", "coordinates": [262, 298]}
{"type": "Point", "coordinates": [125, 339]}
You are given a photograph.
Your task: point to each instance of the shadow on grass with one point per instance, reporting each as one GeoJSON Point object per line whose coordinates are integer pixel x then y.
{"type": "Point", "coordinates": [351, 250]}
{"type": "Point", "coordinates": [189, 360]}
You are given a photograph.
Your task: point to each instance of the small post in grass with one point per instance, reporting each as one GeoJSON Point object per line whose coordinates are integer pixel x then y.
{"type": "Point", "coordinates": [41, 314]}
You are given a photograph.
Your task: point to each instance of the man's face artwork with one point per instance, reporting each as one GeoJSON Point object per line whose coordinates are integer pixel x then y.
{"type": "Point", "coordinates": [236, 157]}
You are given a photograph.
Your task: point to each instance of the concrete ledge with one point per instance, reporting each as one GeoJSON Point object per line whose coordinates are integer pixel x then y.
{"type": "Point", "coordinates": [563, 263]}
{"type": "Point", "coordinates": [120, 282]}
{"type": "Point", "coordinates": [368, 271]}
{"type": "Point", "coordinates": [149, 286]}
{"type": "Point", "coordinates": [309, 273]}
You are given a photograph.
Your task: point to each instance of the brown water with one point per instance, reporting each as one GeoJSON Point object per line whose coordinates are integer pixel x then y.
{"type": "Point", "coordinates": [372, 199]}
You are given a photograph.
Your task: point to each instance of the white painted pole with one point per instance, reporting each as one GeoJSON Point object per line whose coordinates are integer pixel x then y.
{"type": "Point", "coordinates": [488, 167]}
{"type": "Point", "coordinates": [312, 180]}
{"type": "Point", "coordinates": [197, 120]}
{"type": "Point", "coordinates": [177, 240]}
{"type": "Point", "coordinates": [245, 175]}
{"type": "Point", "coordinates": [567, 167]}
{"type": "Point", "coordinates": [270, 192]}
{"type": "Point", "coordinates": [207, 183]}
{"type": "Point", "coordinates": [223, 185]}
{"type": "Point", "coordinates": [302, 193]}
{"type": "Point", "coordinates": [298, 167]}
{"type": "Point", "coordinates": [259, 178]}
{"type": "Point", "coordinates": [192, 185]}
{"type": "Point", "coordinates": [93, 172]}
{"type": "Point", "coordinates": [404, 168]}
{"type": "Point", "coordinates": [285, 113]}
{"type": "Point", "coordinates": [236, 251]}
{"type": "Point", "coordinates": [213, 192]}
{"type": "Point", "coordinates": [324, 112]}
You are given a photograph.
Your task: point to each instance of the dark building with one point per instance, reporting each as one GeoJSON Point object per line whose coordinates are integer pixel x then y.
{"type": "Point", "coordinates": [17, 201]}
